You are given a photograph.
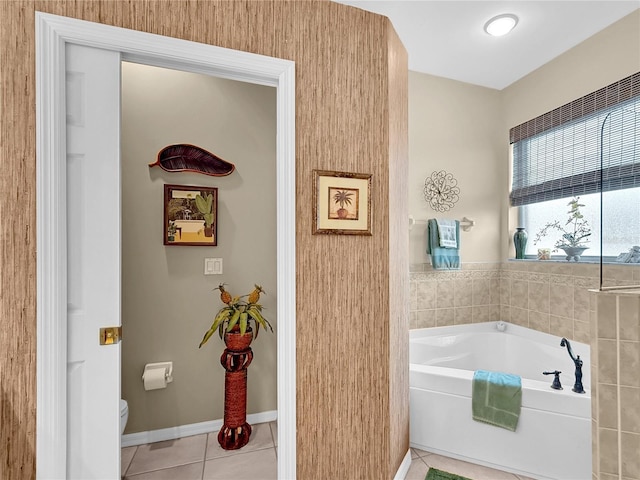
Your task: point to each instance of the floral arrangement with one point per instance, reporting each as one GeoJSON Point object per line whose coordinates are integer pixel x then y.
{"type": "Point", "coordinates": [575, 231]}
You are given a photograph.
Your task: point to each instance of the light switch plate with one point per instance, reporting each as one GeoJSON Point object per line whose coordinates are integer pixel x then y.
{"type": "Point", "coordinates": [213, 266]}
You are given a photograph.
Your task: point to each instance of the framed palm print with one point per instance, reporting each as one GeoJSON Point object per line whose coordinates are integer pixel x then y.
{"type": "Point", "coordinates": [341, 203]}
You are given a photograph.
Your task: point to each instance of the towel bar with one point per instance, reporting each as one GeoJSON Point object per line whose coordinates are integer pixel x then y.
{"type": "Point", "coordinates": [466, 223]}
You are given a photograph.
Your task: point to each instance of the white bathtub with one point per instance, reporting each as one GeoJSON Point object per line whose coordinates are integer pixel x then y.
{"type": "Point", "coordinates": [553, 438]}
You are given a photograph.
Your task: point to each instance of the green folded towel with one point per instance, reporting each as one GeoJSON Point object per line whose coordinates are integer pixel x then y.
{"type": "Point", "coordinates": [496, 398]}
{"type": "Point", "coordinates": [435, 474]}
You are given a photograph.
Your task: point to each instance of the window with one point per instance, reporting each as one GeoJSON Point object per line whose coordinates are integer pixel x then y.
{"type": "Point", "coordinates": [621, 222]}
{"type": "Point", "coordinates": [580, 149]}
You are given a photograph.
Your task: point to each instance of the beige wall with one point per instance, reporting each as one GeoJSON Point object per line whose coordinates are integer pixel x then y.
{"type": "Point", "coordinates": [601, 60]}
{"type": "Point", "coordinates": [456, 127]}
{"type": "Point", "coordinates": [604, 58]}
{"type": "Point", "coordinates": [168, 303]}
{"type": "Point", "coordinates": [350, 103]}
{"type": "Point", "coordinates": [464, 129]}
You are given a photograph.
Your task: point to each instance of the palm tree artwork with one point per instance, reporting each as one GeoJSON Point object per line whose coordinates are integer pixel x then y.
{"type": "Point", "coordinates": [347, 201]}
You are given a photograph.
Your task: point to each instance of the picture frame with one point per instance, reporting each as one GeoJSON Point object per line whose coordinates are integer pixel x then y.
{"type": "Point", "coordinates": [190, 215]}
{"type": "Point", "coordinates": [544, 254]}
{"type": "Point", "coordinates": [341, 203]}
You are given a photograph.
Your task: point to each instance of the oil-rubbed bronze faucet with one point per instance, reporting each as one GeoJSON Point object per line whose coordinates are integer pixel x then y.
{"type": "Point", "coordinates": [577, 386]}
{"type": "Point", "coordinates": [556, 385]}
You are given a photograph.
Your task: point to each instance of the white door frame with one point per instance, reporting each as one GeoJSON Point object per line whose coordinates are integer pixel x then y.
{"type": "Point", "coordinates": [52, 33]}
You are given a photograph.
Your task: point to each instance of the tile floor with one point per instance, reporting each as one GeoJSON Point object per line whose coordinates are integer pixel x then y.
{"type": "Point", "coordinates": [421, 461]}
{"type": "Point", "coordinates": [200, 458]}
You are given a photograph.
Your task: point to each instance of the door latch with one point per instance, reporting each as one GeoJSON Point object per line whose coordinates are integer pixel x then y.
{"type": "Point", "coordinates": [110, 335]}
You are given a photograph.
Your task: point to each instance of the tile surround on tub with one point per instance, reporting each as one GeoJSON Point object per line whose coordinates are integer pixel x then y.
{"type": "Point", "coordinates": [617, 324]}
{"type": "Point", "coordinates": [552, 297]}
{"type": "Point", "coordinates": [556, 298]}
{"type": "Point", "coordinates": [630, 417]}
{"type": "Point", "coordinates": [630, 446]}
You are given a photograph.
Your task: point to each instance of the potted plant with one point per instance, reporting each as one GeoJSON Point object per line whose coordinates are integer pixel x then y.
{"type": "Point", "coordinates": [342, 197]}
{"type": "Point", "coordinates": [233, 322]}
{"type": "Point", "coordinates": [575, 232]}
{"type": "Point", "coordinates": [237, 314]}
{"type": "Point", "coordinates": [171, 231]}
{"type": "Point", "coordinates": [205, 206]}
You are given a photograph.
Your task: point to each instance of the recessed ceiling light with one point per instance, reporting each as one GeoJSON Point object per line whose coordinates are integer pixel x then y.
{"type": "Point", "coordinates": [501, 24]}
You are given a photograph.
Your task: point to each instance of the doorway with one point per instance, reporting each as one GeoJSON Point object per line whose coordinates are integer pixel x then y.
{"type": "Point", "coordinates": [168, 301]}
{"type": "Point", "coordinates": [52, 33]}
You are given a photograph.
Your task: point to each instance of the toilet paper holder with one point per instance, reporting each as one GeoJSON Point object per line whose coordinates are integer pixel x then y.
{"type": "Point", "coordinates": [166, 366]}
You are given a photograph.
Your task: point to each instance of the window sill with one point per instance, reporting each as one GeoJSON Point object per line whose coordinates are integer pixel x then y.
{"type": "Point", "coordinates": [585, 260]}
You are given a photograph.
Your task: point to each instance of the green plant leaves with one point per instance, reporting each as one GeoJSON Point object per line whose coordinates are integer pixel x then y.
{"type": "Point", "coordinates": [237, 313]}
{"type": "Point", "coordinates": [234, 319]}
{"type": "Point", "coordinates": [204, 204]}
{"type": "Point", "coordinates": [243, 322]}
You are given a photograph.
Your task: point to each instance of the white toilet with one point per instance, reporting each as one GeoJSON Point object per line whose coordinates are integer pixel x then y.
{"type": "Point", "coordinates": [124, 415]}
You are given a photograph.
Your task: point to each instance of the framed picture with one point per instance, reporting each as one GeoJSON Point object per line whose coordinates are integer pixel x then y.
{"type": "Point", "coordinates": [544, 254]}
{"type": "Point", "coordinates": [190, 215]}
{"type": "Point", "coordinates": [341, 203]}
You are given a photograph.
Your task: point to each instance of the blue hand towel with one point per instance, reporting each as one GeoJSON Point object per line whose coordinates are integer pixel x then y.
{"type": "Point", "coordinates": [447, 233]}
{"type": "Point", "coordinates": [442, 258]}
{"type": "Point", "coordinates": [496, 398]}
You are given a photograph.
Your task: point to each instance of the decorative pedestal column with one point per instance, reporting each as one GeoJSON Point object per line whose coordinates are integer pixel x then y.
{"type": "Point", "coordinates": [235, 359]}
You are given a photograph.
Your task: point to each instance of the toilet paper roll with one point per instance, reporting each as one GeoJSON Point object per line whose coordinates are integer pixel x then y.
{"type": "Point", "coordinates": [154, 379]}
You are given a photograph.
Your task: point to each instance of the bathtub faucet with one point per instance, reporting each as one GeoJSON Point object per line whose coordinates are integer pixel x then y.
{"type": "Point", "coordinates": [577, 386]}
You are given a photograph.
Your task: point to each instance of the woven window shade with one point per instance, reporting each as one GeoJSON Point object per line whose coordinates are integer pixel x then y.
{"type": "Point", "coordinates": [560, 153]}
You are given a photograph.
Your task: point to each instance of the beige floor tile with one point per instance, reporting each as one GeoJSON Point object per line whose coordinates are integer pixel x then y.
{"type": "Point", "coordinates": [171, 453]}
{"type": "Point", "coordinates": [418, 470]}
{"type": "Point", "coordinates": [126, 455]}
{"type": "Point", "coordinates": [469, 470]}
{"type": "Point", "coordinates": [193, 471]}
{"type": "Point", "coordinates": [260, 464]}
{"type": "Point", "coordinates": [274, 432]}
{"type": "Point", "coordinates": [260, 439]}
{"type": "Point", "coordinates": [420, 453]}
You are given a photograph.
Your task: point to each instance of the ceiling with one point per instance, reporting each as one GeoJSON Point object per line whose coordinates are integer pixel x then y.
{"type": "Point", "coordinates": [446, 37]}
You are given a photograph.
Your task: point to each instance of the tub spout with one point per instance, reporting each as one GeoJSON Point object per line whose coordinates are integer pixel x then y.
{"type": "Point", "coordinates": [577, 386]}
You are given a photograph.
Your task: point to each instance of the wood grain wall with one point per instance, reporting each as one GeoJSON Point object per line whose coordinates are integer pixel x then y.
{"type": "Point", "coordinates": [351, 95]}
{"type": "Point", "coordinates": [398, 248]}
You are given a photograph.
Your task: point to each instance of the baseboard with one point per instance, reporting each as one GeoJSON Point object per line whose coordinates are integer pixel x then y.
{"type": "Point", "coordinates": [172, 433]}
{"type": "Point", "coordinates": [404, 467]}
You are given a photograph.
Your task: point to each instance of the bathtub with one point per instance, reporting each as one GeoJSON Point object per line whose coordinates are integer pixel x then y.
{"type": "Point", "coordinates": [553, 438]}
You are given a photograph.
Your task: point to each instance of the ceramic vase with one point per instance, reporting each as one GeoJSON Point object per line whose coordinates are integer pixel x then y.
{"type": "Point", "coordinates": [573, 253]}
{"type": "Point", "coordinates": [520, 242]}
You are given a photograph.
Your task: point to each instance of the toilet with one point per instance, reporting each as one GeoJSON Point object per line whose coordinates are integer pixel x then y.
{"type": "Point", "coordinates": [124, 415]}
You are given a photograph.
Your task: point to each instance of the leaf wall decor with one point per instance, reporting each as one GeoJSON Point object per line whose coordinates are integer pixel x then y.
{"type": "Point", "coordinates": [189, 158]}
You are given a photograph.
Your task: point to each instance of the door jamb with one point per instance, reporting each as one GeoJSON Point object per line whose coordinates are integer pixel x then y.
{"type": "Point", "coordinates": [52, 33]}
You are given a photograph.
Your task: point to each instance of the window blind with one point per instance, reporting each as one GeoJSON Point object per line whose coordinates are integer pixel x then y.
{"type": "Point", "coordinates": [568, 151]}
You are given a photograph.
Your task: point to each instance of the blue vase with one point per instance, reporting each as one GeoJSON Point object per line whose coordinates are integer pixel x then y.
{"type": "Point", "coordinates": [520, 242]}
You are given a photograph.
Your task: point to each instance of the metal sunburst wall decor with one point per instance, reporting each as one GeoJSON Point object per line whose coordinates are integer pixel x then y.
{"type": "Point", "coordinates": [441, 191]}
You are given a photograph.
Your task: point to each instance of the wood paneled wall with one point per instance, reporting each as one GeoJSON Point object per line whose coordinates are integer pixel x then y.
{"type": "Point", "coordinates": [351, 115]}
